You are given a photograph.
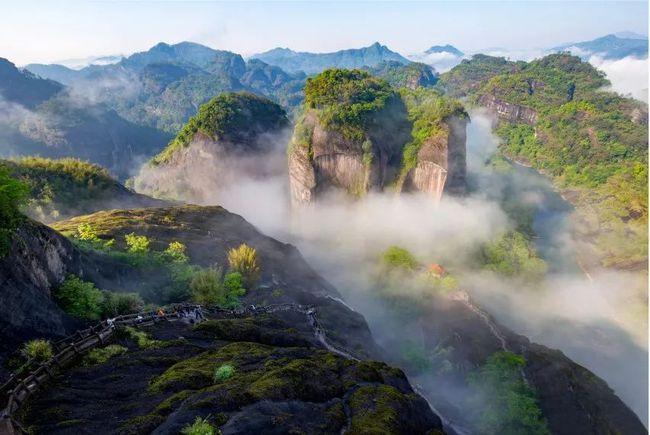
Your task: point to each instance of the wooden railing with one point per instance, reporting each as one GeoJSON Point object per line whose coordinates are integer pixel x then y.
{"type": "Point", "coordinates": [29, 379]}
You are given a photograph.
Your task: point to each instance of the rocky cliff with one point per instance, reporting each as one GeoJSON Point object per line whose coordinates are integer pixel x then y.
{"type": "Point", "coordinates": [233, 136]}
{"type": "Point", "coordinates": [376, 138]}
{"type": "Point", "coordinates": [441, 162]}
{"type": "Point", "coordinates": [39, 260]}
{"type": "Point", "coordinates": [328, 160]}
{"type": "Point", "coordinates": [509, 111]}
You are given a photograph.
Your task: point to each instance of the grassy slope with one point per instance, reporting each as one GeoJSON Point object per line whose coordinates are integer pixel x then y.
{"type": "Point", "coordinates": [61, 188]}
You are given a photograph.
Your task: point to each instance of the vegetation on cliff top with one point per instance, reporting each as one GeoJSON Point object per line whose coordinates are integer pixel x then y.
{"type": "Point", "coordinates": [347, 100]}
{"type": "Point", "coordinates": [234, 117]}
{"type": "Point", "coordinates": [399, 75]}
{"type": "Point", "coordinates": [427, 110]}
{"type": "Point", "coordinates": [472, 73]}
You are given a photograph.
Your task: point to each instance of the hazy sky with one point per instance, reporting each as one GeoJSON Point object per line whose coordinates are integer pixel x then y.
{"type": "Point", "coordinates": [46, 31]}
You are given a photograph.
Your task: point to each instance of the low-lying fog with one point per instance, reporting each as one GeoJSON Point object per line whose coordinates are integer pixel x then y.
{"type": "Point", "coordinates": [598, 321]}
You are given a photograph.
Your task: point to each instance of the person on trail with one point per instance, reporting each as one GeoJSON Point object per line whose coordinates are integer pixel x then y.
{"type": "Point", "coordinates": [110, 322]}
{"type": "Point", "coordinates": [199, 314]}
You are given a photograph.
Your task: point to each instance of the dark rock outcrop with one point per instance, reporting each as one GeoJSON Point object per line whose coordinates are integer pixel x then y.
{"type": "Point", "coordinates": [39, 260]}
{"type": "Point", "coordinates": [572, 399]}
{"type": "Point", "coordinates": [281, 382]}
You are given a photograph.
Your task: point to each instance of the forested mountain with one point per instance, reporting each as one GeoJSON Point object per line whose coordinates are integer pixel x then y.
{"type": "Point", "coordinates": [399, 75]}
{"type": "Point", "coordinates": [556, 117]}
{"type": "Point", "coordinates": [310, 63]}
{"type": "Point", "coordinates": [42, 117]}
{"type": "Point", "coordinates": [67, 187]}
{"type": "Point", "coordinates": [165, 85]}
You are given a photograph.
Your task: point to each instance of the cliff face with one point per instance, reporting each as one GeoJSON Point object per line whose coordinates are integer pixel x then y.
{"type": "Point", "coordinates": [509, 111]}
{"type": "Point", "coordinates": [38, 261]}
{"type": "Point", "coordinates": [441, 163]}
{"type": "Point", "coordinates": [328, 161]}
{"type": "Point", "coordinates": [234, 136]}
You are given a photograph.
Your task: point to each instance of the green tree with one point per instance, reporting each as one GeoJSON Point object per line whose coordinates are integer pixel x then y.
{"type": "Point", "coordinates": [79, 298]}
{"type": "Point", "coordinates": [396, 258]}
{"type": "Point", "coordinates": [176, 252]}
{"type": "Point", "coordinates": [505, 405]}
{"type": "Point", "coordinates": [512, 255]}
{"type": "Point", "coordinates": [115, 304]}
{"type": "Point", "coordinates": [207, 287]}
{"type": "Point", "coordinates": [137, 244]}
{"type": "Point", "coordinates": [13, 195]}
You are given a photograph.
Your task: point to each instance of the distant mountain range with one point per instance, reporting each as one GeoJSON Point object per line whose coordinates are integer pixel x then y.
{"type": "Point", "coordinates": [311, 63]}
{"type": "Point", "coordinates": [42, 117]}
{"type": "Point", "coordinates": [138, 102]}
{"type": "Point", "coordinates": [610, 47]}
{"type": "Point", "coordinates": [163, 86]}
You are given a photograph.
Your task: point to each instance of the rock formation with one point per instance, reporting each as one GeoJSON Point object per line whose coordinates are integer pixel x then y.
{"type": "Point", "coordinates": [509, 111]}
{"type": "Point", "coordinates": [441, 163]}
{"type": "Point", "coordinates": [412, 141]}
{"type": "Point", "coordinates": [38, 261]}
{"type": "Point", "coordinates": [233, 136]}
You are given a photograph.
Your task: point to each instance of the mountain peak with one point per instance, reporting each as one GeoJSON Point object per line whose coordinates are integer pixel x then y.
{"type": "Point", "coordinates": [444, 49]}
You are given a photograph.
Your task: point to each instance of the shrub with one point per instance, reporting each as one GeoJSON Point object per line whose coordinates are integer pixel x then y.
{"type": "Point", "coordinates": [86, 233]}
{"type": "Point", "coordinates": [99, 356]}
{"type": "Point", "coordinates": [505, 403]}
{"type": "Point", "coordinates": [115, 304]}
{"type": "Point", "coordinates": [176, 252]}
{"type": "Point", "coordinates": [79, 298]}
{"type": "Point", "coordinates": [141, 338]}
{"type": "Point", "coordinates": [13, 195]}
{"type": "Point", "coordinates": [398, 258]}
{"type": "Point", "coordinates": [243, 259]}
{"type": "Point", "coordinates": [211, 287]}
{"type": "Point", "coordinates": [513, 255]}
{"type": "Point", "coordinates": [137, 244]}
{"type": "Point", "coordinates": [39, 350]}
{"type": "Point", "coordinates": [233, 284]}
{"type": "Point", "coordinates": [223, 372]}
{"type": "Point", "coordinates": [201, 426]}
{"type": "Point", "coordinates": [207, 286]}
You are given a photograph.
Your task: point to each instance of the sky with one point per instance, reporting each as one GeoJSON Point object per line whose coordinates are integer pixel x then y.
{"type": "Point", "coordinates": [48, 31]}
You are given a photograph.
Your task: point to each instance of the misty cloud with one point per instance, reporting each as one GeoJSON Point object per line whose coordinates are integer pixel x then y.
{"type": "Point", "coordinates": [629, 76]}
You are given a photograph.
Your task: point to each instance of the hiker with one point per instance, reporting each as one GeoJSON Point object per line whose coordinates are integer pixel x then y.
{"type": "Point", "coordinates": [199, 314]}
{"type": "Point", "coordinates": [110, 322]}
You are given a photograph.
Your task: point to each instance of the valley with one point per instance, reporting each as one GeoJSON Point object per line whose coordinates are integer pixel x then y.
{"type": "Point", "coordinates": [366, 245]}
